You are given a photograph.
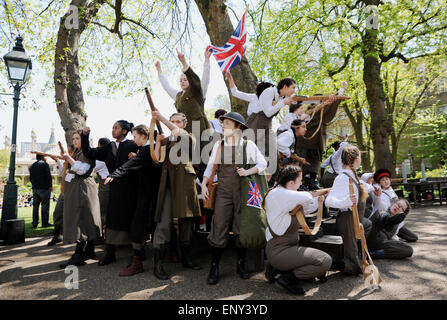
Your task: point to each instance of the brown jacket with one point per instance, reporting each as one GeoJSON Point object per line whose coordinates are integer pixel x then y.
{"type": "Point", "coordinates": [181, 180]}
{"type": "Point", "coordinates": [319, 140]}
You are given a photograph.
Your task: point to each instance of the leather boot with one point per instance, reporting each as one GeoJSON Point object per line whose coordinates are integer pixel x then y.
{"type": "Point", "coordinates": [56, 236]}
{"type": "Point", "coordinates": [240, 268]}
{"type": "Point", "coordinates": [109, 256]}
{"type": "Point", "coordinates": [89, 252]}
{"type": "Point", "coordinates": [186, 258]}
{"type": "Point", "coordinates": [378, 254]}
{"type": "Point", "coordinates": [77, 259]}
{"type": "Point", "coordinates": [159, 255]}
{"type": "Point", "coordinates": [270, 273]}
{"type": "Point", "coordinates": [213, 276]}
{"type": "Point", "coordinates": [288, 281]}
{"type": "Point", "coordinates": [135, 267]}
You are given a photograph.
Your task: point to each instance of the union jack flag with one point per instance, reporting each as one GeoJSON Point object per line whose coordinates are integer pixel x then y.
{"type": "Point", "coordinates": [232, 52]}
{"type": "Point", "coordinates": [254, 196]}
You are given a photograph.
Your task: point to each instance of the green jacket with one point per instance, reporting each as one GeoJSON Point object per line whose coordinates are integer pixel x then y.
{"type": "Point", "coordinates": [191, 103]}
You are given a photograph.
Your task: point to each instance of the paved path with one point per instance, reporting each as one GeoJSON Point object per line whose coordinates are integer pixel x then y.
{"type": "Point", "coordinates": [31, 271]}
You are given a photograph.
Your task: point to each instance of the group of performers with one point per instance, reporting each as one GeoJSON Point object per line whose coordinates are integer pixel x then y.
{"type": "Point", "coordinates": [146, 195]}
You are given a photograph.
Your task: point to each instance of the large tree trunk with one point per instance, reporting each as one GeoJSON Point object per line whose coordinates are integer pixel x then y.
{"type": "Point", "coordinates": [67, 81]}
{"type": "Point", "coordinates": [380, 125]}
{"type": "Point", "coordinates": [220, 29]}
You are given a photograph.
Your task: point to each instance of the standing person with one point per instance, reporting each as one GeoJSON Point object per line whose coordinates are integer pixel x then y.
{"type": "Point", "coordinates": [266, 103]}
{"type": "Point", "coordinates": [383, 203]}
{"type": "Point", "coordinates": [384, 225]}
{"type": "Point", "coordinates": [142, 223]}
{"type": "Point", "coordinates": [313, 144]}
{"type": "Point", "coordinates": [177, 195]}
{"type": "Point", "coordinates": [103, 189]}
{"type": "Point", "coordinates": [122, 197]}
{"type": "Point", "coordinates": [340, 198]}
{"type": "Point", "coordinates": [190, 100]}
{"type": "Point", "coordinates": [227, 206]}
{"type": "Point", "coordinates": [82, 216]}
{"type": "Point", "coordinates": [283, 252]}
{"type": "Point", "coordinates": [42, 184]}
{"type": "Point", "coordinates": [216, 124]}
{"type": "Point", "coordinates": [333, 164]}
{"type": "Point", "coordinates": [58, 213]}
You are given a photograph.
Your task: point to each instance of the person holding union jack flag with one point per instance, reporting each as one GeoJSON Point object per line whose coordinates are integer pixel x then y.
{"type": "Point", "coordinates": [227, 207]}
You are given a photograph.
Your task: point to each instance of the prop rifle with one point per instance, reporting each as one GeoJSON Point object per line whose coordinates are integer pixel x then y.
{"type": "Point", "coordinates": [152, 134]}
{"type": "Point", "coordinates": [47, 154]}
{"type": "Point", "coordinates": [370, 272]}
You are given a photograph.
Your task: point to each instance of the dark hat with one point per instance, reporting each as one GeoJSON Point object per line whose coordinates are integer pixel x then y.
{"type": "Point", "coordinates": [236, 117]}
{"type": "Point", "coordinates": [336, 145]}
{"type": "Point", "coordinates": [379, 174]}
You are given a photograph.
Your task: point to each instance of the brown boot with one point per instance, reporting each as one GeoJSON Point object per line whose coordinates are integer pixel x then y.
{"type": "Point", "coordinates": [135, 267]}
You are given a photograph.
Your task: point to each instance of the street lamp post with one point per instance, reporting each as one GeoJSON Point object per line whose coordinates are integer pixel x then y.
{"type": "Point", "coordinates": [19, 67]}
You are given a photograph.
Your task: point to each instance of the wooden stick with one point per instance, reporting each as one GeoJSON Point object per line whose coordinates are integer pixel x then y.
{"type": "Point", "coordinates": [47, 154]}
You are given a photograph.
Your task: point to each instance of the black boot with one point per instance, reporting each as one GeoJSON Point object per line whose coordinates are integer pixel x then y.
{"type": "Point", "coordinates": [109, 256]}
{"type": "Point", "coordinates": [213, 276]}
{"type": "Point", "coordinates": [186, 258]}
{"type": "Point", "coordinates": [77, 259]}
{"type": "Point", "coordinates": [338, 265]}
{"type": "Point", "coordinates": [56, 236]}
{"type": "Point", "coordinates": [270, 273]}
{"type": "Point", "coordinates": [240, 268]}
{"type": "Point", "coordinates": [89, 252]}
{"type": "Point", "coordinates": [288, 281]}
{"type": "Point", "coordinates": [159, 255]}
{"type": "Point", "coordinates": [313, 181]}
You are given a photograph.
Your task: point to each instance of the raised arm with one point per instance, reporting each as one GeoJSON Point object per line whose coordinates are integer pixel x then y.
{"type": "Point", "coordinates": [92, 153]}
{"type": "Point", "coordinates": [165, 83]}
{"type": "Point", "coordinates": [206, 73]}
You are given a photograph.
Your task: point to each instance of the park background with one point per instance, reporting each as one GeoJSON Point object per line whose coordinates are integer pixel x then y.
{"type": "Point", "coordinates": [392, 55]}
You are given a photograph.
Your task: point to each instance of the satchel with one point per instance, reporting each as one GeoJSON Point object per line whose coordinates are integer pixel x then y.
{"type": "Point", "coordinates": [212, 186]}
{"type": "Point", "coordinates": [253, 221]}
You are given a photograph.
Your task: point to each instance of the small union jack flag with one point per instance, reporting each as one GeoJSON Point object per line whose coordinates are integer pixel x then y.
{"type": "Point", "coordinates": [232, 52]}
{"type": "Point", "coordinates": [254, 196]}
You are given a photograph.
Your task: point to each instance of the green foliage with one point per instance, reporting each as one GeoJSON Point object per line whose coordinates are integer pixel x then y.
{"type": "Point", "coordinates": [435, 173]}
{"type": "Point", "coordinates": [4, 162]}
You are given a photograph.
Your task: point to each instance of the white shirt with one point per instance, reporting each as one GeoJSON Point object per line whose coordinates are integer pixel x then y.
{"type": "Point", "coordinates": [278, 204]}
{"type": "Point", "coordinates": [287, 121]}
{"type": "Point", "coordinates": [80, 168]}
{"type": "Point", "coordinates": [253, 155]}
{"type": "Point", "coordinates": [266, 101]}
{"type": "Point", "coordinates": [383, 203]}
{"type": "Point", "coordinates": [336, 160]}
{"type": "Point", "coordinates": [251, 98]}
{"type": "Point", "coordinates": [284, 141]}
{"type": "Point", "coordinates": [101, 169]}
{"type": "Point", "coordinates": [339, 196]}
{"type": "Point", "coordinates": [217, 125]}
{"type": "Point", "coordinates": [205, 81]}
{"type": "Point", "coordinates": [118, 143]}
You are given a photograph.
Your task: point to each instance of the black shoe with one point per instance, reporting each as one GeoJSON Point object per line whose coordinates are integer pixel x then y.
{"type": "Point", "coordinates": [290, 285]}
{"type": "Point", "coordinates": [322, 278]}
{"type": "Point", "coordinates": [109, 257]}
{"type": "Point", "coordinates": [213, 276]}
{"type": "Point", "coordinates": [241, 271]}
{"type": "Point", "coordinates": [338, 265]}
{"type": "Point", "coordinates": [75, 260]}
{"type": "Point", "coordinates": [34, 226]}
{"type": "Point", "coordinates": [89, 252]}
{"type": "Point", "coordinates": [159, 271]}
{"type": "Point", "coordinates": [186, 259]}
{"type": "Point", "coordinates": [270, 273]}
{"type": "Point", "coordinates": [47, 225]}
{"type": "Point", "coordinates": [56, 239]}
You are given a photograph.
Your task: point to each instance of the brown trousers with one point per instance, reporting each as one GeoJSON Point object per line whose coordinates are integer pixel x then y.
{"type": "Point", "coordinates": [284, 253]}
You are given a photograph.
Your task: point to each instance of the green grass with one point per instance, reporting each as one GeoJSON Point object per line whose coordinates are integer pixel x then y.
{"type": "Point", "coordinates": [27, 215]}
